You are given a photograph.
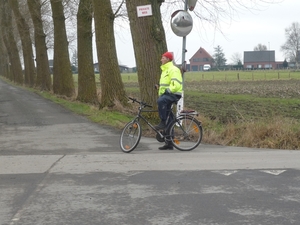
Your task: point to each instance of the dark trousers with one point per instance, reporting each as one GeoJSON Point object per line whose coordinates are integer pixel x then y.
{"type": "Point", "coordinates": [164, 103]}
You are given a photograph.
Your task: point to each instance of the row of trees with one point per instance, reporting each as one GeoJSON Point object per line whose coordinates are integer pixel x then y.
{"type": "Point", "coordinates": [18, 18]}
{"type": "Point", "coordinates": [24, 26]}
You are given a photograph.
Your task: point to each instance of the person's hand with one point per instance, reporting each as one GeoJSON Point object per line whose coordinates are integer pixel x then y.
{"type": "Point", "coordinates": [156, 86]}
{"type": "Point", "coordinates": [167, 91]}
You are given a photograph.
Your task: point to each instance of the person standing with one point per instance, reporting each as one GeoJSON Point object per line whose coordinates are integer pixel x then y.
{"type": "Point", "coordinates": [169, 91]}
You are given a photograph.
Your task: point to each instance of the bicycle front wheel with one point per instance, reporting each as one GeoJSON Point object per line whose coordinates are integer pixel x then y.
{"type": "Point", "coordinates": [186, 133]}
{"type": "Point", "coordinates": [130, 136]}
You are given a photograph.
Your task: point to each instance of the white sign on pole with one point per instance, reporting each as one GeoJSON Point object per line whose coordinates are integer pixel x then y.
{"type": "Point", "coordinates": [144, 10]}
{"type": "Point", "coordinates": [180, 105]}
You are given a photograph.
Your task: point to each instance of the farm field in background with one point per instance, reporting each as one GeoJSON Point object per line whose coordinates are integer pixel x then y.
{"type": "Point", "coordinates": [260, 109]}
{"type": "Point", "coordinates": [219, 95]}
{"type": "Point", "coordinates": [238, 75]}
{"type": "Point", "coordinates": [241, 108]}
{"type": "Point", "coordinates": [242, 75]}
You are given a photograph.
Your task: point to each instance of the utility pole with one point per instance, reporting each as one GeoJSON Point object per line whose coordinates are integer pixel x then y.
{"type": "Point", "coordinates": [182, 24]}
{"type": "Point", "coordinates": [180, 104]}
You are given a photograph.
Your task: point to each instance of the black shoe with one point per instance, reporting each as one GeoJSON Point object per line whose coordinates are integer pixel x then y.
{"type": "Point", "coordinates": [166, 147]}
{"type": "Point", "coordinates": [161, 126]}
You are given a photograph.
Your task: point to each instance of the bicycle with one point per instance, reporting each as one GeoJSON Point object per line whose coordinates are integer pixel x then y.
{"type": "Point", "coordinates": [184, 132]}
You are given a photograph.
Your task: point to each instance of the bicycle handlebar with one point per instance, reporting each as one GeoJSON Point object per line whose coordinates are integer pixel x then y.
{"type": "Point", "coordinates": [144, 104]}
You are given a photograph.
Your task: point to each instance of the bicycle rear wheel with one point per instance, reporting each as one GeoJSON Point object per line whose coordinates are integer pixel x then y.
{"type": "Point", "coordinates": [130, 136]}
{"type": "Point", "coordinates": [186, 133]}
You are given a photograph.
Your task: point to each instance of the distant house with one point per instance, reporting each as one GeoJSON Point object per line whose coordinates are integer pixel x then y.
{"type": "Point", "coordinates": [261, 60]}
{"type": "Point", "coordinates": [73, 67]}
{"type": "Point", "coordinates": [122, 68]}
{"type": "Point", "coordinates": [199, 59]}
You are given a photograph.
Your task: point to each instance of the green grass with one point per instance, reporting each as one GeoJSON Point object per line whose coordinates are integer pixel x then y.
{"type": "Point", "coordinates": [232, 101]}
{"type": "Point", "coordinates": [233, 108]}
{"type": "Point", "coordinates": [241, 75]}
{"type": "Point", "coordinates": [259, 110]}
{"type": "Point", "coordinates": [251, 75]}
{"type": "Point", "coordinates": [262, 113]}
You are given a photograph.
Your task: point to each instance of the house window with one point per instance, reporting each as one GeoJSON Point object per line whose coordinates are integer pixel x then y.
{"type": "Point", "coordinates": [205, 60]}
{"type": "Point", "coordinates": [196, 59]}
{"type": "Point", "coordinates": [268, 66]}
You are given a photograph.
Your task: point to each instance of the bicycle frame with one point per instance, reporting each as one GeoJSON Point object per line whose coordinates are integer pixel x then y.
{"type": "Point", "coordinates": [140, 116]}
{"type": "Point", "coordinates": [183, 131]}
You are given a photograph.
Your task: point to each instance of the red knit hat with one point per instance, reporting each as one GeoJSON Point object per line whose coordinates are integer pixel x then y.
{"type": "Point", "coordinates": [169, 55]}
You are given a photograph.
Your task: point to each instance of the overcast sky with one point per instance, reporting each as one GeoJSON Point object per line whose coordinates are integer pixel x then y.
{"type": "Point", "coordinates": [243, 33]}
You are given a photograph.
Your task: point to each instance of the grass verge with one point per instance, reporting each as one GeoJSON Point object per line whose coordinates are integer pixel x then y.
{"type": "Point", "coordinates": [268, 116]}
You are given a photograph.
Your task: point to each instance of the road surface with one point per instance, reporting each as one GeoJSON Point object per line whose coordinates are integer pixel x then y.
{"type": "Point", "coordinates": [57, 167]}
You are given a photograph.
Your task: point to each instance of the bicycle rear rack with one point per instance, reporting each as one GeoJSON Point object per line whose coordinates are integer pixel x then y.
{"type": "Point", "coordinates": [188, 112]}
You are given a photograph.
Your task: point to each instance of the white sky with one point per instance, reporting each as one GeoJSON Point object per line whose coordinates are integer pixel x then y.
{"type": "Point", "coordinates": [245, 31]}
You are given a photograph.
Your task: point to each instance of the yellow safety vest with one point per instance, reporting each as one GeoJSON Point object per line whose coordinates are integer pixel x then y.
{"type": "Point", "coordinates": [171, 79]}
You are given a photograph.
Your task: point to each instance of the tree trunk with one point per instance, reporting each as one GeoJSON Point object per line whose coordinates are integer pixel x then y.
{"type": "Point", "coordinates": [149, 43]}
{"type": "Point", "coordinates": [23, 29]}
{"type": "Point", "coordinates": [10, 43]}
{"type": "Point", "coordinates": [4, 61]}
{"type": "Point", "coordinates": [63, 83]}
{"type": "Point", "coordinates": [87, 91]}
{"type": "Point", "coordinates": [112, 88]}
{"type": "Point", "coordinates": [43, 79]}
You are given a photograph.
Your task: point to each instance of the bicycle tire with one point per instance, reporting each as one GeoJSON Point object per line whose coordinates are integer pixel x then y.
{"type": "Point", "coordinates": [186, 133]}
{"type": "Point", "coordinates": [130, 136]}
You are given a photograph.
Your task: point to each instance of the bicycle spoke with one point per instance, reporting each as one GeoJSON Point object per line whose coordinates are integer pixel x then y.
{"type": "Point", "coordinates": [187, 134]}
{"type": "Point", "coordinates": [130, 136]}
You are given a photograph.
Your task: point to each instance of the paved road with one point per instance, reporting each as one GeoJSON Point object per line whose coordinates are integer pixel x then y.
{"type": "Point", "coordinates": [58, 168]}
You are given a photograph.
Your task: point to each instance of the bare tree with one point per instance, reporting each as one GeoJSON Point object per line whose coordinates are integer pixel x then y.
{"type": "Point", "coordinates": [10, 43]}
{"type": "Point", "coordinates": [149, 44]}
{"type": "Point", "coordinates": [236, 58]}
{"type": "Point", "coordinates": [291, 47]}
{"type": "Point", "coordinates": [23, 29]}
{"type": "Point", "coordinates": [43, 80]}
{"type": "Point", "coordinates": [260, 47]}
{"type": "Point", "coordinates": [86, 77]}
{"type": "Point", "coordinates": [47, 21]}
{"type": "Point", "coordinates": [63, 83]}
{"type": "Point", "coordinates": [112, 88]}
